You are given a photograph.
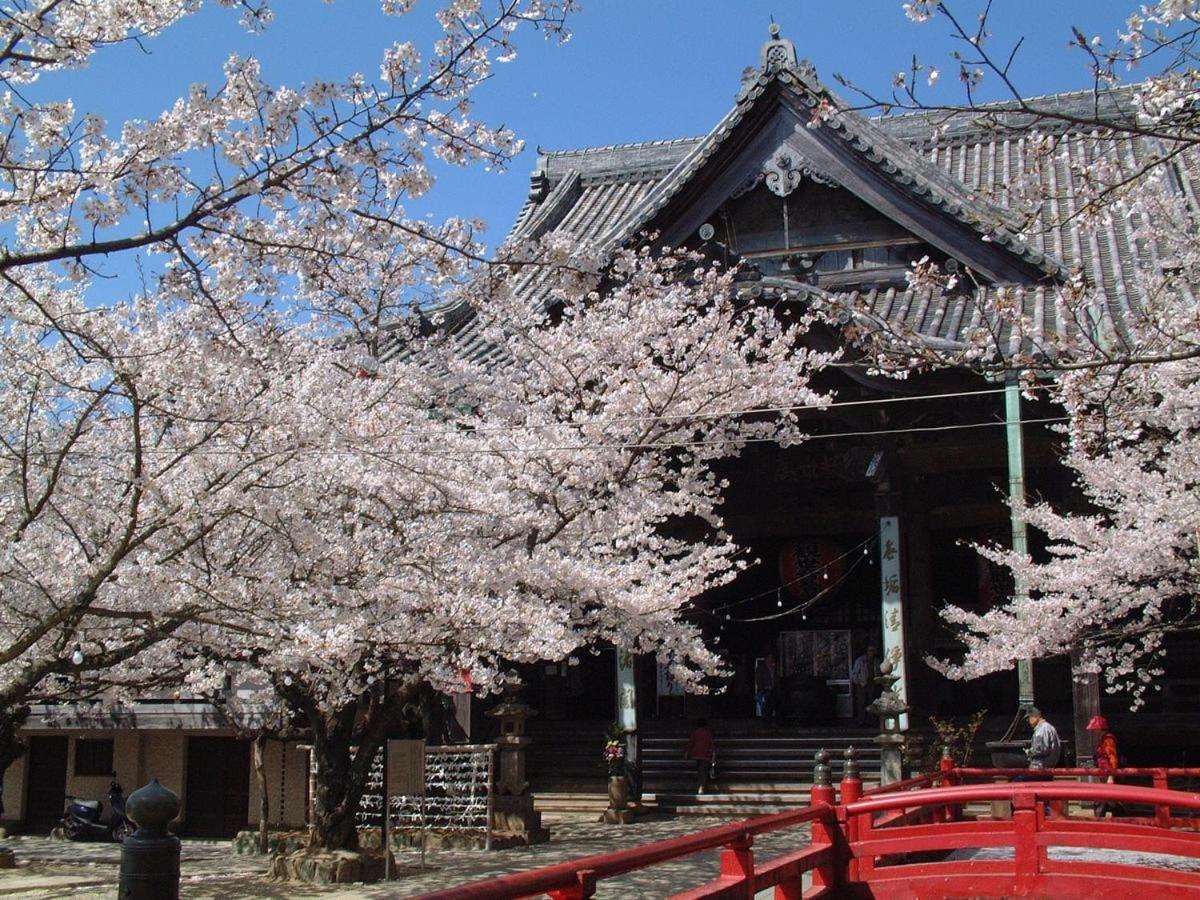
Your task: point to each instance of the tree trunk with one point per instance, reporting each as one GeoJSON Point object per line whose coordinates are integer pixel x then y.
{"type": "Point", "coordinates": [433, 714]}
{"type": "Point", "coordinates": [264, 805]}
{"type": "Point", "coordinates": [338, 793]}
{"type": "Point", "coordinates": [344, 743]}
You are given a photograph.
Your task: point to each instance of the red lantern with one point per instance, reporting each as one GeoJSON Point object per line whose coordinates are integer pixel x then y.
{"type": "Point", "coordinates": [808, 567]}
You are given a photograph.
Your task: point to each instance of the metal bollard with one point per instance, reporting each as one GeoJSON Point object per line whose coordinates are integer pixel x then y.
{"type": "Point", "coordinates": [150, 856]}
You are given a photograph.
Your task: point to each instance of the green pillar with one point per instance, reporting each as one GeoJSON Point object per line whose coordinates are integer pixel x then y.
{"type": "Point", "coordinates": [1016, 502]}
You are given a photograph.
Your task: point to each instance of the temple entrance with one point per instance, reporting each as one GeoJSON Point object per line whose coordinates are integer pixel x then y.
{"type": "Point", "coordinates": [47, 796]}
{"type": "Point", "coordinates": [580, 686]}
{"type": "Point", "coordinates": [218, 786]}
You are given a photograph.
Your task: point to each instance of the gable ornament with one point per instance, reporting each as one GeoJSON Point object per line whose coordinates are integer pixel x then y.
{"type": "Point", "coordinates": [778, 52]}
{"type": "Point", "coordinates": [785, 169]}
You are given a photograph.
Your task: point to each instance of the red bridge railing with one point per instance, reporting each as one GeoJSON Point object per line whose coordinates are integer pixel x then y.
{"type": "Point", "coordinates": [577, 878]}
{"type": "Point", "coordinates": [899, 841]}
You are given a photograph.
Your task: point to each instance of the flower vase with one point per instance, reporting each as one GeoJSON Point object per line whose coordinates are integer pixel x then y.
{"type": "Point", "coordinates": [618, 792]}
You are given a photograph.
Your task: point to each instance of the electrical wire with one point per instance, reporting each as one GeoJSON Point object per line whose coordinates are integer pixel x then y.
{"type": "Point", "coordinates": [728, 414]}
{"type": "Point", "coordinates": [859, 546]}
{"type": "Point", "coordinates": [498, 450]}
{"type": "Point", "coordinates": [801, 607]}
{"type": "Point", "coordinates": [738, 441]}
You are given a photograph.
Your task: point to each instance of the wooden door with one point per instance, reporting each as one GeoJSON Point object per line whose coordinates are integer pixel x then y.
{"type": "Point", "coordinates": [218, 786]}
{"type": "Point", "coordinates": [46, 797]}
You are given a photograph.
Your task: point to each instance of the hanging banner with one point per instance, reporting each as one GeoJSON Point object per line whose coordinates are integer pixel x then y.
{"type": "Point", "coordinates": [668, 686]}
{"type": "Point", "coordinates": [626, 691]}
{"type": "Point", "coordinates": [892, 605]}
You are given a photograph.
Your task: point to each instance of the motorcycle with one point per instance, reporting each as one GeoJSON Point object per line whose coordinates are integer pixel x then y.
{"type": "Point", "coordinates": [83, 819]}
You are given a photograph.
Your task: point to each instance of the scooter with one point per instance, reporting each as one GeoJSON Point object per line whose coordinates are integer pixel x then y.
{"type": "Point", "coordinates": [83, 820]}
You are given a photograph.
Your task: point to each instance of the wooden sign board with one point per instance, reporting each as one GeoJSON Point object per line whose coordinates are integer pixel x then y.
{"type": "Point", "coordinates": [405, 768]}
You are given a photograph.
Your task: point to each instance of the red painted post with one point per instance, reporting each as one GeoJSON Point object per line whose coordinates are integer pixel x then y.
{"type": "Point", "coordinates": [1027, 853]}
{"type": "Point", "coordinates": [585, 888]}
{"type": "Point", "coordinates": [1162, 814]}
{"type": "Point", "coordinates": [825, 831]}
{"type": "Point", "coordinates": [851, 787]}
{"type": "Point", "coordinates": [737, 865]}
{"type": "Point", "coordinates": [863, 829]}
{"type": "Point", "coordinates": [851, 790]}
{"type": "Point", "coordinates": [949, 778]}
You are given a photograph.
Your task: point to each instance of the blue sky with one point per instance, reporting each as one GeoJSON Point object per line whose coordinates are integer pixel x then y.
{"type": "Point", "coordinates": [635, 69]}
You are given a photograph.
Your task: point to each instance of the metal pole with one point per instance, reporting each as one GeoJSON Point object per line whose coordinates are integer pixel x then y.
{"type": "Point", "coordinates": [1016, 502]}
{"type": "Point", "coordinates": [150, 856]}
{"type": "Point", "coordinates": [387, 830]}
{"type": "Point", "coordinates": [491, 801]}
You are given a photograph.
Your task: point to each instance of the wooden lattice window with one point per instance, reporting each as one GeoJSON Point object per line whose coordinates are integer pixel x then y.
{"type": "Point", "coordinates": [93, 756]}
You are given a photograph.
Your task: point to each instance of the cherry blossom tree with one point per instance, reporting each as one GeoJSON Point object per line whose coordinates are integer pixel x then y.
{"type": "Point", "coordinates": [143, 434]}
{"type": "Point", "coordinates": [1121, 576]}
{"type": "Point", "coordinates": [475, 513]}
{"type": "Point", "coordinates": [265, 465]}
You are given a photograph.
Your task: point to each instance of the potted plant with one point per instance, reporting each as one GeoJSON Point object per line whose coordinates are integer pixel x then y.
{"type": "Point", "coordinates": [614, 762]}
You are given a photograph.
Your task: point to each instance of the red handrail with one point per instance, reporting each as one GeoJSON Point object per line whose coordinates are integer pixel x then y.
{"type": "Point", "coordinates": [1049, 790]}
{"type": "Point", "coordinates": [849, 842]}
{"type": "Point", "coordinates": [880, 847]}
{"type": "Point", "coordinates": [1126, 772]}
{"type": "Point", "coordinates": [568, 876]}
{"type": "Point", "coordinates": [917, 781]}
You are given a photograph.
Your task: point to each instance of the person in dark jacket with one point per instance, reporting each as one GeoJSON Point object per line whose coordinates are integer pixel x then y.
{"type": "Point", "coordinates": [766, 686]}
{"type": "Point", "coordinates": [1045, 748]}
{"type": "Point", "coordinates": [1044, 751]}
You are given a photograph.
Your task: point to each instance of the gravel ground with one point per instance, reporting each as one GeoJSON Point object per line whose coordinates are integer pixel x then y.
{"type": "Point", "coordinates": [210, 871]}
{"type": "Point", "coordinates": [48, 868]}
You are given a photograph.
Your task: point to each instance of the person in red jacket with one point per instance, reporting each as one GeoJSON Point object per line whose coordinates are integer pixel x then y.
{"type": "Point", "coordinates": [702, 747]}
{"type": "Point", "coordinates": [1108, 759]}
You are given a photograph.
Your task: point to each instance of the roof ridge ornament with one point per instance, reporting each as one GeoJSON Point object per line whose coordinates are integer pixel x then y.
{"type": "Point", "coordinates": [778, 53]}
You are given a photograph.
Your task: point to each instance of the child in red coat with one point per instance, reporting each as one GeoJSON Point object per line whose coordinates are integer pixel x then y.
{"type": "Point", "coordinates": [702, 747]}
{"type": "Point", "coordinates": [1108, 759]}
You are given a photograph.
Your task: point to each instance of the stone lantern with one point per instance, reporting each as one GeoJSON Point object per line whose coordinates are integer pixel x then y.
{"type": "Point", "coordinates": [512, 809]}
{"type": "Point", "coordinates": [513, 744]}
{"type": "Point", "coordinates": [889, 707]}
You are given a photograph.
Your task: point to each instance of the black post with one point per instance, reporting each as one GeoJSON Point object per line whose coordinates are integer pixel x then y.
{"type": "Point", "coordinates": [150, 856]}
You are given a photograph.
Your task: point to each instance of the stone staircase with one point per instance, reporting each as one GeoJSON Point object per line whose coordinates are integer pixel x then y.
{"type": "Point", "coordinates": [758, 770]}
{"type": "Point", "coordinates": [756, 773]}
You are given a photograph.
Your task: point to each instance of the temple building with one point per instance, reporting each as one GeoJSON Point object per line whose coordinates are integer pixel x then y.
{"type": "Point", "coordinates": [863, 532]}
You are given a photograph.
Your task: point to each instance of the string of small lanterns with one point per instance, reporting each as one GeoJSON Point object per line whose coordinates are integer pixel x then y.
{"type": "Point", "coordinates": [861, 552]}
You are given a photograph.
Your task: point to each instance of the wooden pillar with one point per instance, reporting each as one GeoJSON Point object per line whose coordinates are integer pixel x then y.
{"type": "Point", "coordinates": [1085, 694]}
{"type": "Point", "coordinates": [627, 717]}
{"type": "Point", "coordinates": [921, 617]}
{"type": "Point", "coordinates": [891, 594]}
{"type": "Point", "coordinates": [626, 690]}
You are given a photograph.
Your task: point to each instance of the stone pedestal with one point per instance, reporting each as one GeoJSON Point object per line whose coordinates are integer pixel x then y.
{"type": "Point", "coordinates": [619, 816]}
{"type": "Point", "coordinates": [515, 815]}
{"type": "Point", "coordinates": [891, 757]}
{"type": "Point", "coordinates": [330, 866]}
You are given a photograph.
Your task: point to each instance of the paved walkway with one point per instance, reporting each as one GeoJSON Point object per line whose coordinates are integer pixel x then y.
{"type": "Point", "coordinates": [53, 869]}
{"type": "Point", "coordinates": [210, 871]}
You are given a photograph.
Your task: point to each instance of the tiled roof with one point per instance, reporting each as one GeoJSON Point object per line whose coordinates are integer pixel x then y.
{"type": "Point", "coordinates": [964, 164]}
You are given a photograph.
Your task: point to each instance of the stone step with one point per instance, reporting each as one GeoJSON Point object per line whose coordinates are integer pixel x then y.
{"type": "Point", "coordinates": [555, 802]}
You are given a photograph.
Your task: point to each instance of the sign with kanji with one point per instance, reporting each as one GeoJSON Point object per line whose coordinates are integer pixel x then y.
{"type": "Point", "coordinates": [667, 685]}
{"type": "Point", "coordinates": [626, 691]}
{"type": "Point", "coordinates": [405, 768]}
{"type": "Point", "coordinates": [891, 594]}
